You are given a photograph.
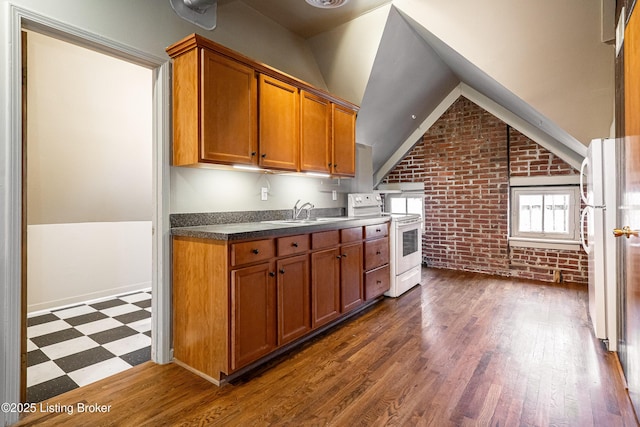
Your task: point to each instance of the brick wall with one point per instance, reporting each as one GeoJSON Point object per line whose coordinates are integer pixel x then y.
{"type": "Point", "coordinates": [463, 162]}
{"type": "Point", "coordinates": [529, 159]}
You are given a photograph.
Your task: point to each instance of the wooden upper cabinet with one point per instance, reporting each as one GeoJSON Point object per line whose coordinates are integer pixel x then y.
{"type": "Point", "coordinates": [343, 141]}
{"type": "Point", "coordinates": [229, 111]}
{"type": "Point", "coordinates": [279, 124]}
{"type": "Point", "coordinates": [315, 137]}
{"type": "Point", "coordinates": [214, 110]}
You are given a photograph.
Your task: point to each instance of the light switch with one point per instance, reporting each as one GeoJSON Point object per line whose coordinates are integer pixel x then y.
{"type": "Point", "coordinates": [264, 193]}
{"type": "Point", "coordinates": [334, 195]}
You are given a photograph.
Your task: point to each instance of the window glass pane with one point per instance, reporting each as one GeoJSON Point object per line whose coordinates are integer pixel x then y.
{"type": "Point", "coordinates": [398, 205]}
{"type": "Point", "coordinates": [530, 213]}
{"type": "Point", "coordinates": [414, 205]}
{"type": "Point", "coordinates": [556, 213]}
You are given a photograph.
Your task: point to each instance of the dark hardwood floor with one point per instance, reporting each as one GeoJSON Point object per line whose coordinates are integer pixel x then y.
{"type": "Point", "coordinates": [463, 349]}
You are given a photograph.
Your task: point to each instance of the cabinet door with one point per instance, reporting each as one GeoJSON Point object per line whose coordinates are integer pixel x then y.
{"type": "Point", "coordinates": [279, 124]}
{"type": "Point", "coordinates": [294, 298]}
{"type": "Point", "coordinates": [325, 286]}
{"type": "Point", "coordinates": [351, 289]}
{"type": "Point", "coordinates": [229, 111]}
{"type": "Point", "coordinates": [253, 319]}
{"type": "Point", "coordinates": [344, 141]}
{"type": "Point", "coordinates": [315, 139]}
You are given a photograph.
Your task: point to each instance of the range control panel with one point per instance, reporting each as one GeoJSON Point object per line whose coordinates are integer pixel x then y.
{"type": "Point", "coordinates": [364, 204]}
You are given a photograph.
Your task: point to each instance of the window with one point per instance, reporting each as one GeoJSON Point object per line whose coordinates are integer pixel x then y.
{"type": "Point", "coordinates": [401, 204]}
{"type": "Point", "coordinates": [545, 214]}
{"type": "Point", "coordinates": [405, 203]}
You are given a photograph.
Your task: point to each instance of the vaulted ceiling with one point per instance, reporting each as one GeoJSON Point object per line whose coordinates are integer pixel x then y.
{"type": "Point", "coordinates": [412, 79]}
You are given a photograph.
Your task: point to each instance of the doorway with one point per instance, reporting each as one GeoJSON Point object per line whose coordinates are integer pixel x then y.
{"type": "Point", "coordinates": [88, 192]}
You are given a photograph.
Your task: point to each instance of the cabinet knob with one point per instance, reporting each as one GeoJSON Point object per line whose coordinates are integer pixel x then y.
{"type": "Point", "coordinates": [329, 164]}
{"type": "Point", "coordinates": [272, 274]}
{"type": "Point", "coordinates": [378, 282]}
{"type": "Point", "coordinates": [335, 166]}
{"type": "Point", "coordinates": [378, 252]}
{"type": "Point", "coordinates": [378, 230]}
{"type": "Point", "coordinates": [253, 153]}
{"type": "Point", "coordinates": [294, 244]}
{"type": "Point", "coordinates": [264, 155]}
{"type": "Point", "coordinates": [255, 251]}
{"type": "Point", "coordinates": [344, 255]}
{"type": "Point", "coordinates": [282, 271]}
{"type": "Point", "coordinates": [338, 256]}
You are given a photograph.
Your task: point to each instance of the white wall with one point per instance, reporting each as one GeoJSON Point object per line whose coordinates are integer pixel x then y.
{"type": "Point", "coordinates": [208, 190]}
{"type": "Point", "coordinates": [89, 131]}
{"type": "Point", "coordinates": [536, 50]}
{"type": "Point", "coordinates": [346, 54]}
{"type": "Point", "coordinates": [71, 263]}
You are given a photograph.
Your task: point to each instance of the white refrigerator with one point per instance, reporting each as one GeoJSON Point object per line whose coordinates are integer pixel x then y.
{"type": "Point", "coordinates": [598, 187]}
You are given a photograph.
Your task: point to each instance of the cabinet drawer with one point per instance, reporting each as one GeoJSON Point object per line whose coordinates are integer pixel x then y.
{"type": "Point", "coordinates": [248, 252]}
{"type": "Point", "coordinates": [325, 239]}
{"type": "Point", "coordinates": [351, 234]}
{"type": "Point", "coordinates": [376, 282]}
{"type": "Point", "coordinates": [375, 231]}
{"type": "Point", "coordinates": [292, 244]}
{"type": "Point", "coordinates": [376, 253]}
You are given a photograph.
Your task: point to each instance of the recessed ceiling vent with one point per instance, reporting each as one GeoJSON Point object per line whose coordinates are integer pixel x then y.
{"type": "Point", "coordinates": [327, 4]}
{"type": "Point", "coordinates": [203, 13]}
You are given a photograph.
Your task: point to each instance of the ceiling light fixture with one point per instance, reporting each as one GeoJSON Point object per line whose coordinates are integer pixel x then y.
{"type": "Point", "coordinates": [327, 4]}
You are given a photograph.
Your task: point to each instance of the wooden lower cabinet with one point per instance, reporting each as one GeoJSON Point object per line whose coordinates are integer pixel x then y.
{"type": "Point", "coordinates": [325, 286]}
{"type": "Point", "coordinates": [294, 297]}
{"type": "Point", "coordinates": [234, 303]}
{"type": "Point", "coordinates": [253, 314]}
{"type": "Point", "coordinates": [351, 289]}
{"type": "Point", "coordinates": [377, 273]}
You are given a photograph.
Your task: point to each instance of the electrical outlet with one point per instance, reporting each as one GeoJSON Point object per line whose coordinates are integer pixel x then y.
{"type": "Point", "coordinates": [334, 195]}
{"type": "Point", "coordinates": [264, 193]}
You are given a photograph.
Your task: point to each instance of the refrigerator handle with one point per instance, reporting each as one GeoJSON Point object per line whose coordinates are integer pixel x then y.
{"type": "Point", "coordinates": [583, 217]}
{"type": "Point", "coordinates": [583, 194]}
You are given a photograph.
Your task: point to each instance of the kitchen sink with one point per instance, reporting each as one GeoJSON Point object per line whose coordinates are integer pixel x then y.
{"type": "Point", "coordinates": [305, 221]}
{"type": "Point", "coordinates": [290, 221]}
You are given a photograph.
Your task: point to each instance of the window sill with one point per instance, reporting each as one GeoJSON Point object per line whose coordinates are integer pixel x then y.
{"type": "Point", "coordinates": [528, 242]}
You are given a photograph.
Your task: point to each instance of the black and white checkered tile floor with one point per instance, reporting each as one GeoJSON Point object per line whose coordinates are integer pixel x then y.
{"type": "Point", "coordinates": [75, 346]}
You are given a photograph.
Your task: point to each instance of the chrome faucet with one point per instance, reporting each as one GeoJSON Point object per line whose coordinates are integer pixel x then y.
{"type": "Point", "coordinates": [296, 210]}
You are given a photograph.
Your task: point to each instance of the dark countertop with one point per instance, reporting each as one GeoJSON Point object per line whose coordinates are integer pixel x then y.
{"type": "Point", "coordinates": [257, 230]}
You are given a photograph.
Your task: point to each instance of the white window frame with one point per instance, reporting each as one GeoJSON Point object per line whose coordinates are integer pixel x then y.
{"type": "Point", "coordinates": [405, 196]}
{"type": "Point", "coordinates": [570, 240]}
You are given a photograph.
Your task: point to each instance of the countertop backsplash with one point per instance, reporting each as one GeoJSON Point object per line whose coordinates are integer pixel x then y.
{"type": "Point", "coordinates": [212, 218]}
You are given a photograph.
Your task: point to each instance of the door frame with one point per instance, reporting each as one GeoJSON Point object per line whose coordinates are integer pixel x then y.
{"type": "Point", "coordinates": [11, 214]}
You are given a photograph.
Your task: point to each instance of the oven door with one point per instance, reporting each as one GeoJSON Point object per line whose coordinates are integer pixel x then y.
{"type": "Point", "coordinates": [408, 246]}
